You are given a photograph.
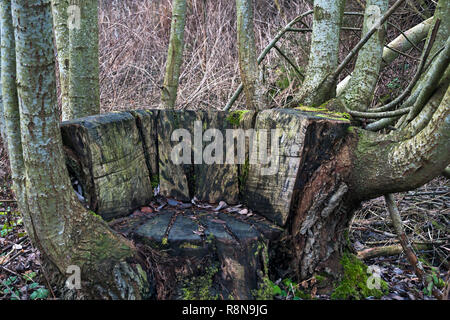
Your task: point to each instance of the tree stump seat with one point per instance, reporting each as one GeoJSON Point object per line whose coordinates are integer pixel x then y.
{"type": "Point", "coordinates": [123, 161]}
{"type": "Point", "coordinates": [205, 254]}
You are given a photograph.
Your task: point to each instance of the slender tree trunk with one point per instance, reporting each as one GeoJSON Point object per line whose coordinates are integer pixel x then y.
{"type": "Point", "coordinates": [61, 30]}
{"type": "Point", "coordinates": [359, 93]}
{"type": "Point", "coordinates": [84, 93]}
{"type": "Point", "coordinates": [11, 111]}
{"type": "Point", "coordinates": [65, 232]}
{"type": "Point", "coordinates": [2, 113]}
{"type": "Point", "coordinates": [248, 64]}
{"type": "Point", "coordinates": [323, 56]}
{"type": "Point", "coordinates": [175, 55]}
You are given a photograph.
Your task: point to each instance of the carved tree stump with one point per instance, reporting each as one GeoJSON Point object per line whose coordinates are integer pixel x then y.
{"type": "Point", "coordinates": [302, 209]}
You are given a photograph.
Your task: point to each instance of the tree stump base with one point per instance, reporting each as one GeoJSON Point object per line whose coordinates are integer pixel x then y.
{"type": "Point", "coordinates": [200, 254]}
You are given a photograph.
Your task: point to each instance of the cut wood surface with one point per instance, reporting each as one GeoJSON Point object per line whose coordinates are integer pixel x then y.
{"type": "Point", "coordinates": [173, 177]}
{"type": "Point", "coordinates": [215, 182]}
{"type": "Point", "coordinates": [302, 135]}
{"type": "Point", "coordinates": [114, 177]}
{"type": "Point", "coordinates": [115, 156]}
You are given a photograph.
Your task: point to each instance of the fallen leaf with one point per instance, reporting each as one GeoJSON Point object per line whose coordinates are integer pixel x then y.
{"type": "Point", "coordinates": [3, 259]}
{"type": "Point", "coordinates": [222, 204]}
{"type": "Point", "coordinates": [243, 211]}
{"type": "Point", "coordinates": [146, 210]}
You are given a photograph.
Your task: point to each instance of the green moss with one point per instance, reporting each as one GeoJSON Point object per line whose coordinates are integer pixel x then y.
{"type": "Point", "coordinates": [155, 181]}
{"type": "Point", "coordinates": [95, 215]}
{"type": "Point", "coordinates": [164, 241]}
{"type": "Point", "coordinates": [243, 175]}
{"type": "Point", "coordinates": [323, 112]}
{"type": "Point", "coordinates": [320, 13]}
{"type": "Point", "coordinates": [235, 117]}
{"type": "Point", "coordinates": [265, 290]}
{"type": "Point", "coordinates": [200, 288]}
{"type": "Point", "coordinates": [354, 282]}
{"type": "Point", "coordinates": [188, 245]}
{"type": "Point", "coordinates": [320, 279]}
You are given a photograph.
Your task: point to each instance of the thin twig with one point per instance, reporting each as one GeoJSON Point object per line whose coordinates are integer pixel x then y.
{"type": "Point", "coordinates": [289, 61]}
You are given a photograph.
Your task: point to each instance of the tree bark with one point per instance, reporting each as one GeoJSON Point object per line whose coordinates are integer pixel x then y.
{"type": "Point", "coordinates": [405, 164]}
{"type": "Point", "coordinates": [359, 93]}
{"type": "Point", "coordinates": [415, 35]}
{"type": "Point", "coordinates": [323, 57]}
{"type": "Point", "coordinates": [2, 112]}
{"type": "Point", "coordinates": [61, 31]}
{"type": "Point", "coordinates": [11, 111]}
{"type": "Point", "coordinates": [84, 92]}
{"type": "Point", "coordinates": [248, 64]}
{"type": "Point", "coordinates": [175, 55]}
{"type": "Point", "coordinates": [65, 232]}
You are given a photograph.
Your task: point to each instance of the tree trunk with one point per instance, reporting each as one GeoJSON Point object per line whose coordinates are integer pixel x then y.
{"type": "Point", "coordinates": [358, 96]}
{"type": "Point", "coordinates": [175, 55]}
{"type": "Point", "coordinates": [2, 112]}
{"type": "Point", "coordinates": [323, 56]}
{"type": "Point", "coordinates": [65, 232]}
{"type": "Point", "coordinates": [61, 31]}
{"type": "Point", "coordinates": [84, 92]}
{"type": "Point", "coordinates": [11, 111]}
{"type": "Point", "coordinates": [248, 64]}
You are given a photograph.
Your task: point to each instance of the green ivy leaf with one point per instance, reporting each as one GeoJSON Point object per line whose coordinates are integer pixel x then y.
{"type": "Point", "coordinates": [276, 290]}
{"type": "Point", "coordinates": [34, 285]}
{"type": "Point", "coordinates": [40, 293]}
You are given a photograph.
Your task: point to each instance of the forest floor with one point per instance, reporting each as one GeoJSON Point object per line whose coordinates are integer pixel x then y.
{"type": "Point", "coordinates": [425, 213]}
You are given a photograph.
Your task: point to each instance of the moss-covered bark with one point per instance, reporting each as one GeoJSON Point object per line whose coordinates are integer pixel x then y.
{"type": "Point", "coordinates": [2, 112]}
{"type": "Point", "coordinates": [384, 164]}
{"type": "Point", "coordinates": [11, 111]}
